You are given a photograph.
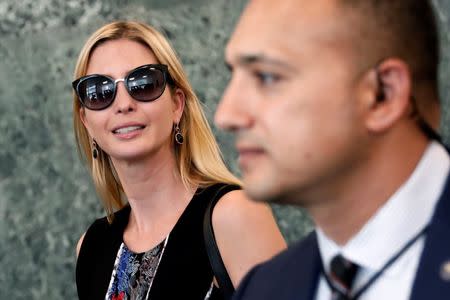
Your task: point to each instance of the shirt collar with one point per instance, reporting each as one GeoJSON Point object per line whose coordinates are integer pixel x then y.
{"type": "Point", "coordinates": [407, 211]}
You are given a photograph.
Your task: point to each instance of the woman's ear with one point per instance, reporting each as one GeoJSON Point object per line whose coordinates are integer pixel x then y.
{"type": "Point", "coordinates": [82, 114]}
{"type": "Point", "coordinates": [392, 96]}
{"type": "Point", "coordinates": [179, 100]}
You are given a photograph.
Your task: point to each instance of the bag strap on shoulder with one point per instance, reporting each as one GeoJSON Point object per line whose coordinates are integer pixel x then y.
{"type": "Point", "coordinates": [220, 272]}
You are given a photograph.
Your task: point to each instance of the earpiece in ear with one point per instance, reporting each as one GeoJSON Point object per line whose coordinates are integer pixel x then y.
{"type": "Point", "coordinates": [380, 95]}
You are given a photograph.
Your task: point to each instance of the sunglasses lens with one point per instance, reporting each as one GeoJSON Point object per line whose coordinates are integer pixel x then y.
{"type": "Point", "coordinates": [96, 92]}
{"type": "Point", "coordinates": [146, 84]}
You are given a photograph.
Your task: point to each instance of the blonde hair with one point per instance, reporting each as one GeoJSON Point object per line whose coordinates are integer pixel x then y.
{"type": "Point", "coordinates": [198, 159]}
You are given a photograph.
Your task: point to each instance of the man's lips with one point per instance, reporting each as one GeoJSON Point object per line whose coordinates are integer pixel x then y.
{"type": "Point", "coordinates": [248, 153]}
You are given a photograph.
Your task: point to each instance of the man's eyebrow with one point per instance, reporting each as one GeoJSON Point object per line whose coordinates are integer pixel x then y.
{"type": "Point", "coordinates": [250, 59]}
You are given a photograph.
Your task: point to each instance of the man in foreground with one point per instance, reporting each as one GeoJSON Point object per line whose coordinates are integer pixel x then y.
{"type": "Point", "coordinates": [334, 106]}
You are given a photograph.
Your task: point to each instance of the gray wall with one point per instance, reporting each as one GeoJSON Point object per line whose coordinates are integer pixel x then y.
{"type": "Point", "coordinates": [46, 196]}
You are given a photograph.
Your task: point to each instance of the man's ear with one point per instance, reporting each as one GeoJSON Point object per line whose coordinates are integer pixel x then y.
{"type": "Point", "coordinates": [391, 99]}
{"type": "Point", "coordinates": [179, 100]}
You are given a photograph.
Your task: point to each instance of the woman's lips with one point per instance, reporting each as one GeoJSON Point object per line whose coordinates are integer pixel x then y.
{"type": "Point", "coordinates": [128, 131]}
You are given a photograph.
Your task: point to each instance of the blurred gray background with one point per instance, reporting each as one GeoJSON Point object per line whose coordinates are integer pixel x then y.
{"type": "Point", "coordinates": [46, 196]}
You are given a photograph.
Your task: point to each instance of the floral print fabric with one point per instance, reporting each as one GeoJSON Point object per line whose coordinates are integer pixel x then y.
{"type": "Point", "coordinates": [133, 273]}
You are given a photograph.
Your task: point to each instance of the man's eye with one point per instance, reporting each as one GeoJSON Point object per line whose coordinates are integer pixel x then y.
{"type": "Point", "coordinates": [267, 78]}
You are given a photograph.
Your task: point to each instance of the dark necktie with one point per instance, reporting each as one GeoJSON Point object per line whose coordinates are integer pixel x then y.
{"type": "Point", "coordinates": [342, 275]}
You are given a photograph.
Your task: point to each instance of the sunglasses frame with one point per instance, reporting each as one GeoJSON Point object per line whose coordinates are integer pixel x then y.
{"type": "Point", "coordinates": [161, 67]}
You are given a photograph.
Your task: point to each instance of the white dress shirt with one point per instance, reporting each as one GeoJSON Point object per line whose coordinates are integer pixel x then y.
{"type": "Point", "coordinates": [407, 212]}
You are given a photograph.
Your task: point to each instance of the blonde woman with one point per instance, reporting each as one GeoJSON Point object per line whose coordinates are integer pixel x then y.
{"type": "Point", "coordinates": [157, 167]}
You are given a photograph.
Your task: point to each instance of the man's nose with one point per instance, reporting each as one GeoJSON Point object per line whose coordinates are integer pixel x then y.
{"type": "Point", "coordinates": [232, 112]}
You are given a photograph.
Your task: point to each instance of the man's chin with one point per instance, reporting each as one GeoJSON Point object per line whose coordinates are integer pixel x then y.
{"type": "Point", "coordinates": [262, 194]}
{"type": "Point", "coordinates": [270, 194]}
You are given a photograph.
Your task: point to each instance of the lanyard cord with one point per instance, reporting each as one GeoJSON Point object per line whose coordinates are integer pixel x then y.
{"type": "Point", "coordinates": [366, 286]}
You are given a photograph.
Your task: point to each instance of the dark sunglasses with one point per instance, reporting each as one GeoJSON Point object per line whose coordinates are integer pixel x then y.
{"type": "Point", "coordinates": [145, 83]}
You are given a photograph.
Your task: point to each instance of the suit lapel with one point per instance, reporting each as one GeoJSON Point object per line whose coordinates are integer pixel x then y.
{"type": "Point", "coordinates": [433, 275]}
{"type": "Point", "coordinates": [310, 266]}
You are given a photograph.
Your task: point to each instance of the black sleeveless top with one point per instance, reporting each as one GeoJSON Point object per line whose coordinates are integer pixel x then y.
{"type": "Point", "coordinates": [184, 271]}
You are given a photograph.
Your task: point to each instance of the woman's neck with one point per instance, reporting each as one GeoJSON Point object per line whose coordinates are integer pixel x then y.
{"type": "Point", "coordinates": [157, 197]}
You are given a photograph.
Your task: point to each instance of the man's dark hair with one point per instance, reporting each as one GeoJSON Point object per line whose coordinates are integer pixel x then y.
{"type": "Point", "coordinates": [405, 29]}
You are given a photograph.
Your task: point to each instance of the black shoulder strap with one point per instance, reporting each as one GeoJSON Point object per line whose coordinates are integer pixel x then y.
{"type": "Point", "coordinates": [220, 272]}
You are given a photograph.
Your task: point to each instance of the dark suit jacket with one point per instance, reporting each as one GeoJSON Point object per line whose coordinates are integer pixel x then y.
{"type": "Point", "coordinates": [294, 274]}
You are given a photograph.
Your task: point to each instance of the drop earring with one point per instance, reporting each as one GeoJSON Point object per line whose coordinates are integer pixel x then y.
{"type": "Point", "coordinates": [178, 135]}
{"type": "Point", "coordinates": [94, 149]}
